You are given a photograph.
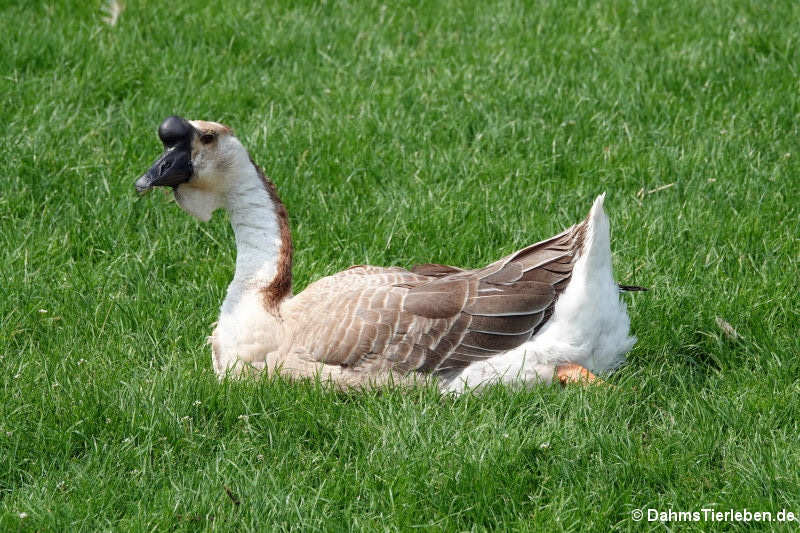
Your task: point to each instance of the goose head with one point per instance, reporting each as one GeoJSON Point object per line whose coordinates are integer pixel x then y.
{"type": "Point", "coordinates": [200, 163]}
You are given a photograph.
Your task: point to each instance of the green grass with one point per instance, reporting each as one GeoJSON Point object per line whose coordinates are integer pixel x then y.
{"type": "Point", "coordinates": [408, 132]}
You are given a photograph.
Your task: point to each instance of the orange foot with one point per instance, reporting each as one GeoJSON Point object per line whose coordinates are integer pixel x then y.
{"type": "Point", "coordinates": [572, 373]}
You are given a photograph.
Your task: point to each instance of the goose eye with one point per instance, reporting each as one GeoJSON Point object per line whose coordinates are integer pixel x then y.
{"type": "Point", "coordinates": [207, 138]}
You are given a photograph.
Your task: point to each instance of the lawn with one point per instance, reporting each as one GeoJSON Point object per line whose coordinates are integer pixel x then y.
{"type": "Point", "coordinates": [399, 133]}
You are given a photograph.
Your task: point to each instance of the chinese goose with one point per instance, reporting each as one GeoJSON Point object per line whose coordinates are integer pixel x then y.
{"type": "Point", "coordinates": [549, 311]}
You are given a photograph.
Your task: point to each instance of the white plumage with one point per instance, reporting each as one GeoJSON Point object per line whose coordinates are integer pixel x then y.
{"type": "Point", "coordinates": [589, 326]}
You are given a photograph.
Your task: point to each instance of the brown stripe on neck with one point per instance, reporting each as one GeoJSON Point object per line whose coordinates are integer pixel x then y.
{"type": "Point", "coordinates": [281, 285]}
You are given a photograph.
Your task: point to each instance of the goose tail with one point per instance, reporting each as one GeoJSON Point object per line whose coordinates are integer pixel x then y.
{"type": "Point", "coordinates": [599, 245]}
{"type": "Point", "coordinates": [590, 325]}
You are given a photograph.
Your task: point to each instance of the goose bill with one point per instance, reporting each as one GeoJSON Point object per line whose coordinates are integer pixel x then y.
{"type": "Point", "coordinates": [172, 169]}
{"type": "Point", "coordinates": [175, 165]}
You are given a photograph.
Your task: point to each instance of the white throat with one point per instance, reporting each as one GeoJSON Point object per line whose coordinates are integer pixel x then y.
{"type": "Point", "coordinates": [258, 234]}
{"type": "Point", "coordinates": [250, 324]}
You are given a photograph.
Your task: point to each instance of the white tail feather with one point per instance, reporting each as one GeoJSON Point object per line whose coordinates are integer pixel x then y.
{"type": "Point", "coordinates": [589, 326]}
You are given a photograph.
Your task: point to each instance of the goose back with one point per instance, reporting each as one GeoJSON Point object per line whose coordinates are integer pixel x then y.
{"type": "Point", "coordinates": [433, 318]}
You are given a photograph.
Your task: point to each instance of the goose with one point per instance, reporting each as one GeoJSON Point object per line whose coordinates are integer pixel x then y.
{"type": "Point", "coordinates": [550, 312]}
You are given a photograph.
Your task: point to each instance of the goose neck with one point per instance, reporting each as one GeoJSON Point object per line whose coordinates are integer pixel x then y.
{"type": "Point", "coordinates": [263, 240]}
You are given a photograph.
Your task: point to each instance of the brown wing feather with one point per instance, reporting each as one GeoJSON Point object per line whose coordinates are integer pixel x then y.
{"type": "Point", "coordinates": [441, 298]}
{"type": "Point", "coordinates": [435, 318]}
{"type": "Point", "coordinates": [435, 270]}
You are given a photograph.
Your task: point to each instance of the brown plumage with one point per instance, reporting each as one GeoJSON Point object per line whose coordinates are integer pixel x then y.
{"type": "Point", "coordinates": [433, 318]}
{"type": "Point", "coordinates": [280, 287]}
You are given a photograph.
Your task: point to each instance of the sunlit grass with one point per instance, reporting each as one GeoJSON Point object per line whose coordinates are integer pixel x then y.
{"type": "Point", "coordinates": [401, 133]}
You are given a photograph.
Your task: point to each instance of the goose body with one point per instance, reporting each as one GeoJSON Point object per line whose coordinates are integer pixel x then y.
{"type": "Point", "coordinates": [551, 309]}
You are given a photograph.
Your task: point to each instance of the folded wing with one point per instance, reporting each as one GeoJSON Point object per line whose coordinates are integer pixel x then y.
{"type": "Point", "coordinates": [434, 318]}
